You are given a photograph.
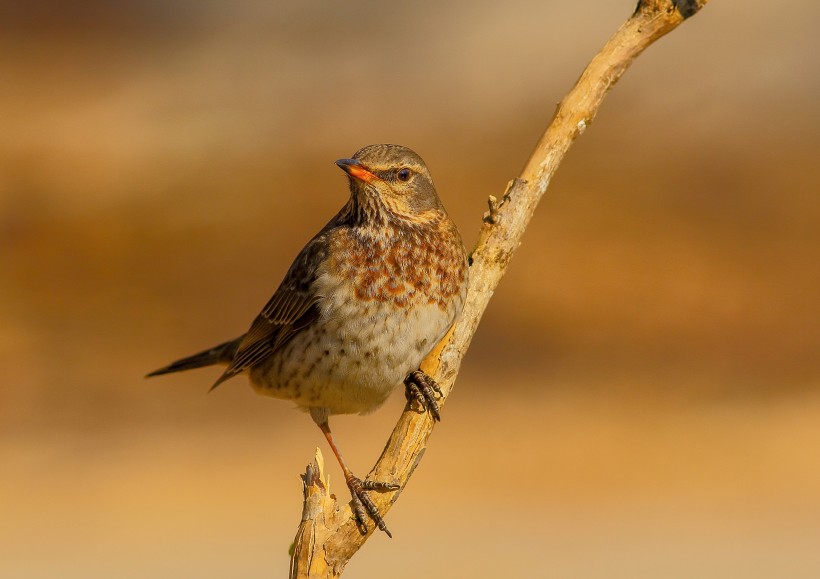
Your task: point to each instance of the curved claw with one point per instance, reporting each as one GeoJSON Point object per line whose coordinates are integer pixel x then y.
{"type": "Point", "coordinates": [421, 387]}
{"type": "Point", "coordinates": [364, 506]}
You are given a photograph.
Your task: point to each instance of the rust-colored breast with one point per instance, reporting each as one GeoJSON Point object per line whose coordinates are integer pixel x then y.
{"type": "Point", "coordinates": [403, 264]}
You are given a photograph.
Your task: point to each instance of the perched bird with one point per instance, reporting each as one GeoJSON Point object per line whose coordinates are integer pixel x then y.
{"type": "Point", "coordinates": [360, 307]}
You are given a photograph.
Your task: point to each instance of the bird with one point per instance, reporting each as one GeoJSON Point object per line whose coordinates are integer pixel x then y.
{"type": "Point", "coordinates": [364, 302]}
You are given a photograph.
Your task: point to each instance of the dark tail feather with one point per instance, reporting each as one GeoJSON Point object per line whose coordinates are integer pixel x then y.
{"type": "Point", "coordinates": [221, 354]}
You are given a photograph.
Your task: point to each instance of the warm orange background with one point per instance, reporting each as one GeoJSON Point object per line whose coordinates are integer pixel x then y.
{"type": "Point", "coordinates": [643, 396]}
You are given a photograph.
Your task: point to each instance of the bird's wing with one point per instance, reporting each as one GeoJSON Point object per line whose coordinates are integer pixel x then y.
{"type": "Point", "coordinates": [292, 308]}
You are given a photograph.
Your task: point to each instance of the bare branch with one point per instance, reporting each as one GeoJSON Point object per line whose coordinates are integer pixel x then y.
{"type": "Point", "coordinates": [328, 536]}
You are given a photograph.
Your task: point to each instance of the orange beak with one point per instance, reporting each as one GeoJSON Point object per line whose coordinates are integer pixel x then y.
{"type": "Point", "coordinates": [355, 169]}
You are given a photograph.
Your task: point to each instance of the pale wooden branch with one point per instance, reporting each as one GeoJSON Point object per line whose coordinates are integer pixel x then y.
{"type": "Point", "coordinates": [328, 537]}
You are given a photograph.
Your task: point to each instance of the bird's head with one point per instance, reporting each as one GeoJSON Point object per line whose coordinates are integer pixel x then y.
{"type": "Point", "coordinates": [392, 179]}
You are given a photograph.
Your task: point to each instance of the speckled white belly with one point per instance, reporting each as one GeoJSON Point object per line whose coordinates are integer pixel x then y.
{"type": "Point", "coordinates": [356, 353]}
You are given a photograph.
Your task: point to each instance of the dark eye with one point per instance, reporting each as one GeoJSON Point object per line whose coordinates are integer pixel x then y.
{"type": "Point", "coordinates": [404, 174]}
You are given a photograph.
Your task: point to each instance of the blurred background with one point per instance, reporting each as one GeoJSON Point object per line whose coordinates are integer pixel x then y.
{"type": "Point", "coordinates": [642, 398]}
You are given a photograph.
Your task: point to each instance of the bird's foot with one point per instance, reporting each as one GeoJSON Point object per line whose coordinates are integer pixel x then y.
{"type": "Point", "coordinates": [423, 389]}
{"type": "Point", "coordinates": [363, 505]}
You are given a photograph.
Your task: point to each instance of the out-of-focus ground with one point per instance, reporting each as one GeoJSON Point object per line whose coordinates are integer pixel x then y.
{"type": "Point", "coordinates": [642, 398]}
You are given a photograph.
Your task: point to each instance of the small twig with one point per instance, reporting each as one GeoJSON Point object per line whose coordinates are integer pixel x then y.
{"type": "Point", "coordinates": [489, 216]}
{"type": "Point", "coordinates": [328, 536]}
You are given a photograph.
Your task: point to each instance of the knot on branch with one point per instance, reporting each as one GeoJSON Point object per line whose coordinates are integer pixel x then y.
{"type": "Point", "coordinates": [493, 216]}
{"type": "Point", "coordinates": [685, 8]}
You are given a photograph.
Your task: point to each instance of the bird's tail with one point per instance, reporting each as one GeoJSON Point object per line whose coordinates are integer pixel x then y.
{"type": "Point", "coordinates": [221, 354]}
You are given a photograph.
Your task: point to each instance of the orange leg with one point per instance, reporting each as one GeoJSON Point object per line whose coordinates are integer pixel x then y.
{"type": "Point", "coordinates": [361, 501]}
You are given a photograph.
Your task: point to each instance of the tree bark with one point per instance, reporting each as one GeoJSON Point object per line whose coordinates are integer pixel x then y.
{"type": "Point", "coordinates": [328, 536]}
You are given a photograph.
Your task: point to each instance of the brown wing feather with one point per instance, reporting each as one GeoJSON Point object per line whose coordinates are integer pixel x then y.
{"type": "Point", "coordinates": [271, 329]}
{"type": "Point", "coordinates": [291, 309]}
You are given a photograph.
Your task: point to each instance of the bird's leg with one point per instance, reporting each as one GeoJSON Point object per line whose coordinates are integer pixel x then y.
{"type": "Point", "coordinates": [361, 501]}
{"type": "Point", "coordinates": [421, 387]}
